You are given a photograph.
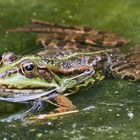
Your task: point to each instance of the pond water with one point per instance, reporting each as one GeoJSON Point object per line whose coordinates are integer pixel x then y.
{"type": "Point", "coordinates": [109, 110]}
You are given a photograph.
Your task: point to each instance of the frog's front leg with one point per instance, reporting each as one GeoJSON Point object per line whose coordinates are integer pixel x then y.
{"type": "Point", "coordinates": [63, 103]}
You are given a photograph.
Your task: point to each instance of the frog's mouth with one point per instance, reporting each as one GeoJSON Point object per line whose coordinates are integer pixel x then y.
{"type": "Point", "coordinates": [26, 95]}
{"type": "Point", "coordinates": [11, 93]}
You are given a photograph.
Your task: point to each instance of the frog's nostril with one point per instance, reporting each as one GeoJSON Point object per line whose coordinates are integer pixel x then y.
{"type": "Point", "coordinates": [0, 59]}
{"type": "Point", "coordinates": [8, 57]}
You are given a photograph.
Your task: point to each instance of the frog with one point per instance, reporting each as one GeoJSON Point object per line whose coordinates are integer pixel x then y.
{"type": "Point", "coordinates": [72, 58]}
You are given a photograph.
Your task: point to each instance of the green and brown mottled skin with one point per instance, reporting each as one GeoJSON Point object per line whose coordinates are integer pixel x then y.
{"type": "Point", "coordinates": [73, 58]}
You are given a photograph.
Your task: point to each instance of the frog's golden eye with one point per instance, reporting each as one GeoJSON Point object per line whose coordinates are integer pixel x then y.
{"type": "Point", "coordinates": [28, 68]}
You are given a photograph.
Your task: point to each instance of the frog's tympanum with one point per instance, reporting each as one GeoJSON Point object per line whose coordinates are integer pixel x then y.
{"type": "Point", "coordinates": [73, 58]}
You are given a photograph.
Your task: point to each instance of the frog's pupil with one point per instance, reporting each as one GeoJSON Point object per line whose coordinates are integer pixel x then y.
{"type": "Point", "coordinates": [29, 67]}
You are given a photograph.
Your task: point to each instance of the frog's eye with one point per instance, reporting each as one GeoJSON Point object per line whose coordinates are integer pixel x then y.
{"type": "Point", "coordinates": [28, 68]}
{"type": "Point", "coordinates": [8, 57]}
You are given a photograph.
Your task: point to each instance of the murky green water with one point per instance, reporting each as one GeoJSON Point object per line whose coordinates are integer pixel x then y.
{"type": "Point", "coordinates": [111, 108]}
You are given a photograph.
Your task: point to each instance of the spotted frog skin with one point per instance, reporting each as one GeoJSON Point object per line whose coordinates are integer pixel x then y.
{"type": "Point", "coordinates": [73, 58]}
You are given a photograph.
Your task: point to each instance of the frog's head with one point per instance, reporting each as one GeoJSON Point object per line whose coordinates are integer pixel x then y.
{"type": "Point", "coordinates": [27, 74]}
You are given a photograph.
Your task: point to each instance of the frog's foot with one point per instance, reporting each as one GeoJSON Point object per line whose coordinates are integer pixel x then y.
{"type": "Point", "coordinates": [72, 35]}
{"type": "Point", "coordinates": [64, 106]}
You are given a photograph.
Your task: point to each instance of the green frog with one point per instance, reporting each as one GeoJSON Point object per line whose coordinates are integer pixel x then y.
{"type": "Point", "coordinates": [72, 58]}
